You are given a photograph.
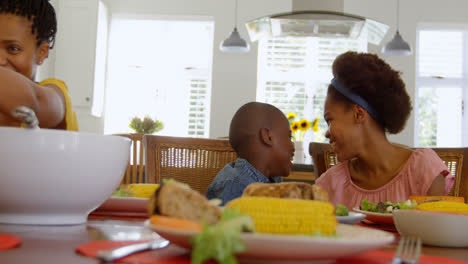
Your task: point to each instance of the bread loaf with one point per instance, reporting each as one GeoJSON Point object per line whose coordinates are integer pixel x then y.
{"type": "Point", "coordinates": [177, 200]}
{"type": "Point", "coordinates": [292, 190]}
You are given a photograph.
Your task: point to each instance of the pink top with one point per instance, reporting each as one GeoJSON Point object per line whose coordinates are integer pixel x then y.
{"type": "Point", "coordinates": [415, 178]}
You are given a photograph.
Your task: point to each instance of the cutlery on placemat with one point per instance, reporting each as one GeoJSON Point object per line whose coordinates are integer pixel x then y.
{"type": "Point", "coordinates": [117, 253]}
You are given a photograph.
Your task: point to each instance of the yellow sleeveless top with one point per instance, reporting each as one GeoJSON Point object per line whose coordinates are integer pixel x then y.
{"type": "Point", "coordinates": [71, 122]}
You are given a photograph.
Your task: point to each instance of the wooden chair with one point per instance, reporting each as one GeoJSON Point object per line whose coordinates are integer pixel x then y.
{"type": "Point", "coordinates": [194, 161]}
{"type": "Point", "coordinates": [135, 172]}
{"type": "Point", "coordinates": [324, 158]}
{"type": "Point", "coordinates": [458, 167]}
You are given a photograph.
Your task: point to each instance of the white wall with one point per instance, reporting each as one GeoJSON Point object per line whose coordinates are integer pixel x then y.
{"type": "Point", "coordinates": [234, 75]}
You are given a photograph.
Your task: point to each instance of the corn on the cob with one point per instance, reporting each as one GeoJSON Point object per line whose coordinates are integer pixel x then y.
{"type": "Point", "coordinates": [288, 216]}
{"type": "Point", "coordinates": [142, 190]}
{"type": "Point", "coordinates": [452, 207]}
{"type": "Point", "coordinates": [424, 199]}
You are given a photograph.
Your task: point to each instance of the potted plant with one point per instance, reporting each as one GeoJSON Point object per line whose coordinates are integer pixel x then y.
{"type": "Point", "coordinates": [146, 125]}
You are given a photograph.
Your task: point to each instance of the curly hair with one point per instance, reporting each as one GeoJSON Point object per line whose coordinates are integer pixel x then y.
{"type": "Point", "coordinates": [40, 12]}
{"type": "Point", "coordinates": [374, 80]}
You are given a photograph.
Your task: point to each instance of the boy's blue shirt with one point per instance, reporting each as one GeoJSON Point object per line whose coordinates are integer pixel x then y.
{"type": "Point", "coordinates": [231, 181]}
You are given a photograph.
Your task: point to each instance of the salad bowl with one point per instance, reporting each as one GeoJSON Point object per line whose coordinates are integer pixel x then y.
{"type": "Point", "coordinates": [382, 213]}
{"type": "Point", "coordinates": [56, 177]}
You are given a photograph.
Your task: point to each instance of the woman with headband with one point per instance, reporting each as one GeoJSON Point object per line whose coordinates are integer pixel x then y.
{"type": "Point", "coordinates": [366, 100]}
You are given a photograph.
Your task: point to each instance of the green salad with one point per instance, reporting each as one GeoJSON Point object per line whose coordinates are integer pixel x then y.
{"type": "Point", "coordinates": [341, 210]}
{"type": "Point", "coordinates": [387, 207]}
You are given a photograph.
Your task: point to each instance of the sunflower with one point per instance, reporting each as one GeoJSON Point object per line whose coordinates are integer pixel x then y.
{"type": "Point", "coordinates": [315, 124]}
{"type": "Point", "coordinates": [295, 127]}
{"type": "Point", "coordinates": [304, 125]}
{"type": "Point", "coordinates": [291, 115]}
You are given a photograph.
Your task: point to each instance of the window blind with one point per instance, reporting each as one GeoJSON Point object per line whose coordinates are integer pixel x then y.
{"type": "Point", "coordinates": [294, 73]}
{"type": "Point", "coordinates": [199, 110]}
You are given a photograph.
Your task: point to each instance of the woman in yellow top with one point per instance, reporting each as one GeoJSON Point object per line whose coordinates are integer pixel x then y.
{"type": "Point", "coordinates": [27, 32]}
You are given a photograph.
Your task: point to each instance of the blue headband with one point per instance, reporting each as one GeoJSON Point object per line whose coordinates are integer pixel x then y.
{"type": "Point", "coordinates": [355, 98]}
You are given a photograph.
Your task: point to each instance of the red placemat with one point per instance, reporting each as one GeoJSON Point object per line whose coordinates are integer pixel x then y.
{"type": "Point", "coordinates": [9, 241]}
{"type": "Point", "coordinates": [177, 255]}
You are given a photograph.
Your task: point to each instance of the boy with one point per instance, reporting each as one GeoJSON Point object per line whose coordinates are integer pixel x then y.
{"type": "Point", "coordinates": [261, 136]}
{"type": "Point", "coordinates": [27, 32]}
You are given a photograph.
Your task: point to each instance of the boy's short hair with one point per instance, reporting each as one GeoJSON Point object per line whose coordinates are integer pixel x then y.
{"type": "Point", "coordinates": [248, 120]}
{"type": "Point", "coordinates": [40, 12]}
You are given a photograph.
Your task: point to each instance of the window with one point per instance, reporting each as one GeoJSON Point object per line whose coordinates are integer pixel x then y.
{"type": "Point", "coordinates": [441, 84]}
{"type": "Point", "coordinates": [294, 74]}
{"type": "Point", "coordinates": [155, 71]}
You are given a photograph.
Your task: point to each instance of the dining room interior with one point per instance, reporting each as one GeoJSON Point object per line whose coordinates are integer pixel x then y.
{"type": "Point", "coordinates": [166, 63]}
{"type": "Point", "coordinates": [93, 65]}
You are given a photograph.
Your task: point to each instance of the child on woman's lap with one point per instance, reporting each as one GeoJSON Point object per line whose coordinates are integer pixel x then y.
{"type": "Point", "coordinates": [26, 35]}
{"type": "Point", "coordinates": [365, 100]}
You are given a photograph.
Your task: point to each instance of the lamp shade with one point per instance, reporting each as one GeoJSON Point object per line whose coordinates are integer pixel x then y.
{"type": "Point", "coordinates": [397, 46]}
{"type": "Point", "coordinates": [234, 43]}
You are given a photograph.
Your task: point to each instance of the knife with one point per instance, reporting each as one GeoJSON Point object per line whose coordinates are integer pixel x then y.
{"type": "Point", "coordinates": [117, 253]}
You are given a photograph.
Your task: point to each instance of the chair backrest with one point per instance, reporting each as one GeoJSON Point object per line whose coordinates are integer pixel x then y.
{"type": "Point", "coordinates": [193, 161]}
{"type": "Point", "coordinates": [135, 172]}
{"type": "Point", "coordinates": [324, 158]}
{"type": "Point", "coordinates": [458, 167]}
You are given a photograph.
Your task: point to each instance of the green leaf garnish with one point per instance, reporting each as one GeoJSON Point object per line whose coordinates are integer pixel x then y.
{"type": "Point", "coordinates": [221, 241]}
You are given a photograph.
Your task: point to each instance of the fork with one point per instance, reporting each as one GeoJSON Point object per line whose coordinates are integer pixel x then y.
{"type": "Point", "coordinates": [408, 251]}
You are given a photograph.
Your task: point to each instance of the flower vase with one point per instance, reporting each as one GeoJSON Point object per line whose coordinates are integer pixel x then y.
{"type": "Point", "coordinates": [299, 157]}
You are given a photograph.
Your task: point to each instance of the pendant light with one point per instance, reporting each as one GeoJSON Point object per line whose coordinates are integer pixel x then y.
{"type": "Point", "coordinates": [234, 43]}
{"type": "Point", "coordinates": [397, 46]}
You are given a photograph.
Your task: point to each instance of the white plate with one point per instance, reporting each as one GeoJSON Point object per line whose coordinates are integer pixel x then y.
{"type": "Point", "coordinates": [378, 218]}
{"type": "Point", "coordinates": [350, 240]}
{"type": "Point", "coordinates": [351, 219]}
{"type": "Point", "coordinates": [125, 204]}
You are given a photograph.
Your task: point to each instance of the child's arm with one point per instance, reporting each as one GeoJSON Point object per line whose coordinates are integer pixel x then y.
{"type": "Point", "coordinates": [17, 90]}
{"type": "Point", "coordinates": [437, 187]}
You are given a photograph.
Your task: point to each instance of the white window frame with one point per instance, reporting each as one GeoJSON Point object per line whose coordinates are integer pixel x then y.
{"type": "Point", "coordinates": [431, 81]}
{"type": "Point", "coordinates": [189, 75]}
{"type": "Point", "coordinates": [303, 75]}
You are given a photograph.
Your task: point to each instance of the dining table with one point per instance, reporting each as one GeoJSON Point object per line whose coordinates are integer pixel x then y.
{"type": "Point", "coordinates": [59, 244]}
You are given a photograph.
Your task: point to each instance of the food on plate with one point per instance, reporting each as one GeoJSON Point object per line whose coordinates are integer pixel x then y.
{"type": "Point", "coordinates": [287, 216]}
{"type": "Point", "coordinates": [341, 210]}
{"type": "Point", "coordinates": [175, 223]}
{"type": "Point", "coordinates": [140, 190]}
{"type": "Point", "coordinates": [178, 200]}
{"type": "Point", "coordinates": [293, 190]}
{"type": "Point", "coordinates": [444, 206]}
{"type": "Point", "coordinates": [175, 205]}
{"type": "Point", "coordinates": [425, 199]}
{"type": "Point", "coordinates": [387, 207]}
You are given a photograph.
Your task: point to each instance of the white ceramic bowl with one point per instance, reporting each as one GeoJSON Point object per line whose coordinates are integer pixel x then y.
{"type": "Point", "coordinates": [56, 177]}
{"type": "Point", "coordinates": [434, 228]}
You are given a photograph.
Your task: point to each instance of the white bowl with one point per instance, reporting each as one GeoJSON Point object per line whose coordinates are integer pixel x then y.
{"type": "Point", "coordinates": [56, 177]}
{"type": "Point", "coordinates": [434, 228]}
